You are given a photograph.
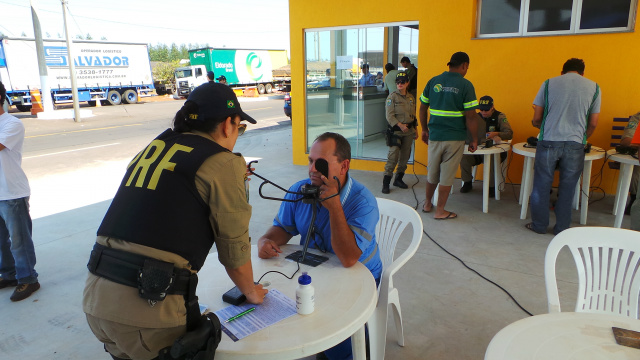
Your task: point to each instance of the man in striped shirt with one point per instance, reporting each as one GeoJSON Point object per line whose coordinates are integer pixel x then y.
{"type": "Point", "coordinates": [447, 110]}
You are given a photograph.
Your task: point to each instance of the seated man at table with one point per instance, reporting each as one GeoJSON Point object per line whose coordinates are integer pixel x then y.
{"type": "Point", "coordinates": [345, 224]}
{"type": "Point", "coordinates": [629, 130]}
{"type": "Point", "coordinates": [496, 128]}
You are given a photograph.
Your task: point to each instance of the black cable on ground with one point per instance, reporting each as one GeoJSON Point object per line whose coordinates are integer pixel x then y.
{"type": "Point", "coordinates": [450, 254]}
{"type": "Point", "coordinates": [477, 273]}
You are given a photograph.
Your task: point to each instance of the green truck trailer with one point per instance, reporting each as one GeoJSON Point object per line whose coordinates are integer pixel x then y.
{"type": "Point", "coordinates": [240, 67]}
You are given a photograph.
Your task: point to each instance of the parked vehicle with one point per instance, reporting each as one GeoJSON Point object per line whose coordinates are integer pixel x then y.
{"type": "Point", "coordinates": [242, 68]}
{"type": "Point", "coordinates": [105, 71]}
{"type": "Point", "coordinates": [287, 105]}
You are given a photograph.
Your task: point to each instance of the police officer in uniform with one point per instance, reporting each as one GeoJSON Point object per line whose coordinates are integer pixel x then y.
{"type": "Point", "coordinates": [497, 129]}
{"type": "Point", "coordinates": [180, 195]}
{"type": "Point", "coordinates": [401, 116]}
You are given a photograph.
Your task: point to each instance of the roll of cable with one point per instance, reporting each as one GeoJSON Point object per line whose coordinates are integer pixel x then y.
{"type": "Point", "coordinates": [532, 141]}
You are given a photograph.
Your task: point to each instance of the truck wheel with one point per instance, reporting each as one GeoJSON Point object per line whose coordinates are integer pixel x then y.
{"type": "Point", "coordinates": [23, 107]}
{"type": "Point", "coordinates": [130, 97]}
{"type": "Point", "coordinates": [114, 97]}
{"type": "Point", "coordinates": [260, 89]}
{"type": "Point", "coordinates": [268, 88]}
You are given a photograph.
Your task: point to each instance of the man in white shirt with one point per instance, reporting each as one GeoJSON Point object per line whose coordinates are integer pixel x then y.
{"type": "Point", "coordinates": [17, 253]}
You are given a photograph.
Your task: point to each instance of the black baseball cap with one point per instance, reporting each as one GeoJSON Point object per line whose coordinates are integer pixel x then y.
{"type": "Point", "coordinates": [222, 77]}
{"type": "Point", "coordinates": [458, 59]}
{"type": "Point", "coordinates": [216, 100]}
{"type": "Point", "coordinates": [402, 76]}
{"type": "Point", "coordinates": [485, 103]}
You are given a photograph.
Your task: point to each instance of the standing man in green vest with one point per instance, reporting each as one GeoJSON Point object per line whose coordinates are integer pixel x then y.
{"type": "Point", "coordinates": [447, 110]}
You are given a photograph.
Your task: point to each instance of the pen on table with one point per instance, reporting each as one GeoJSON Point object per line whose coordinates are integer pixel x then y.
{"type": "Point", "coordinates": [240, 315]}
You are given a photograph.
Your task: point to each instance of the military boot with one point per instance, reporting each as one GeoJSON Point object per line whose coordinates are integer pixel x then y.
{"type": "Point", "coordinates": [397, 182]}
{"type": "Point", "coordinates": [385, 184]}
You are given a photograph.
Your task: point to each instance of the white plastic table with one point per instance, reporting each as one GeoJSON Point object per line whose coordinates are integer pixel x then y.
{"type": "Point", "coordinates": [495, 151]}
{"type": "Point", "coordinates": [565, 335]}
{"type": "Point", "coordinates": [622, 192]}
{"type": "Point", "coordinates": [527, 179]}
{"type": "Point", "coordinates": [345, 298]}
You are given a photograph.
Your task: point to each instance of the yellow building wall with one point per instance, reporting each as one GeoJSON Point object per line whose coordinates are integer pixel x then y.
{"type": "Point", "coordinates": [511, 70]}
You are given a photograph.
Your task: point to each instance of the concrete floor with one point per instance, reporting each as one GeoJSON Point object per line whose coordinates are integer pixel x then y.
{"type": "Point", "coordinates": [448, 311]}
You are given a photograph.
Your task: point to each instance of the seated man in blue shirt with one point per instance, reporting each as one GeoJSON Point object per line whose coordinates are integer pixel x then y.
{"type": "Point", "coordinates": [345, 224]}
{"type": "Point", "coordinates": [367, 79]}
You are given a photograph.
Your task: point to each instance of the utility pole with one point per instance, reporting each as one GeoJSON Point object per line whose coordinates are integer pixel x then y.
{"type": "Point", "coordinates": [72, 67]}
{"type": "Point", "coordinates": [47, 100]}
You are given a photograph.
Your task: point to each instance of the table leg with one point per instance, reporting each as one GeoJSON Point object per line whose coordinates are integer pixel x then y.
{"type": "Point", "coordinates": [486, 173]}
{"type": "Point", "coordinates": [626, 171]}
{"type": "Point", "coordinates": [615, 202]}
{"type": "Point", "coordinates": [497, 171]}
{"type": "Point", "coordinates": [524, 177]}
{"type": "Point", "coordinates": [526, 191]}
{"type": "Point", "coordinates": [358, 345]}
{"type": "Point", "coordinates": [586, 183]}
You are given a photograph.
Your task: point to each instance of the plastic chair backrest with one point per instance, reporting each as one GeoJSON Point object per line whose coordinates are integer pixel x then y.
{"type": "Point", "coordinates": [394, 218]}
{"type": "Point", "coordinates": [608, 264]}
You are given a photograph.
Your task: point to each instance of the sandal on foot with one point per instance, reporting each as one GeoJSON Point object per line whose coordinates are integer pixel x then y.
{"type": "Point", "coordinates": [451, 215]}
{"type": "Point", "coordinates": [530, 227]}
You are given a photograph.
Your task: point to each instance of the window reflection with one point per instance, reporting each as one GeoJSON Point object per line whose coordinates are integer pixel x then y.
{"type": "Point", "coordinates": [345, 91]}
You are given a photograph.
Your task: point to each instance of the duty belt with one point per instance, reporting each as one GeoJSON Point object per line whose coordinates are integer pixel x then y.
{"type": "Point", "coordinates": [131, 269]}
{"type": "Point", "coordinates": [410, 125]}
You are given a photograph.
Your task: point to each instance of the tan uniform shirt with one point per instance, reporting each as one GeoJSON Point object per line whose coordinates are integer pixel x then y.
{"type": "Point", "coordinates": [220, 182]}
{"type": "Point", "coordinates": [400, 108]}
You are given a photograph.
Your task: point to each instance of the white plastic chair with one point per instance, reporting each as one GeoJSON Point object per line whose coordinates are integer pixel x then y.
{"type": "Point", "coordinates": [608, 275]}
{"type": "Point", "coordinates": [394, 218]}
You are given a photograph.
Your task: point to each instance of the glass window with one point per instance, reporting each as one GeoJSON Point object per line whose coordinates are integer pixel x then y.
{"type": "Point", "coordinates": [549, 15]}
{"type": "Point", "coordinates": [600, 14]}
{"type": "Point", "coordinates": [345, 91]}
{"type": "Point", "coordinates": [499, 17]}
{"type": "Point", "coordinates": [542, 17]}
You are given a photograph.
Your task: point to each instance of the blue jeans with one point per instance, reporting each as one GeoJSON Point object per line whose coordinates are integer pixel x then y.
{"type": "Point", "coordinates": [17, 254]}
{"type": "Point", "coordinates": [343, 351]}
{"type": "Point", "coordinates": [569, 157]}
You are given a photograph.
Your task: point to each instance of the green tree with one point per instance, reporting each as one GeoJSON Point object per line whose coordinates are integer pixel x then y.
{"type": "Point", "coordinates": [163, 72]}
{"type": "Point", "coordinates": [174, 53]}
{"type": "Point", "coordinates": [79, 37]}
{"type": "Point", "coordinates": [23, 34]}
{"type": "Point", "coordinates": [103, 38]}
{"type": "Point", "coordinates": [184, 52]}
{"type": "Point", "coordinates": [88, 37]}
{"type": "Point", "coordinates": [159, 52]}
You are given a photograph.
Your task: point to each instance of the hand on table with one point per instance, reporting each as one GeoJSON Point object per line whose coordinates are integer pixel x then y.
{"type": "Point", "coordinates": [473, 146]}
{"type": "Point", "coordinates": [257, 295]}
{"type": "Point", "coordinates": [268, 249]}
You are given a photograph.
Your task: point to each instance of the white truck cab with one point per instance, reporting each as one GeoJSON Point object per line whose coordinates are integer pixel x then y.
{"type": "Point", "coordinates": [189, 78]}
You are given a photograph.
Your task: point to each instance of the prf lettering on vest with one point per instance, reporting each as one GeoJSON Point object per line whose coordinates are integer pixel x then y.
{"type": "Point", "coordinates": [145, 159]}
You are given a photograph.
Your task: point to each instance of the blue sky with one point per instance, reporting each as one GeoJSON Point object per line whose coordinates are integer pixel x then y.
{"type": "Point", "coordinates": [262, 24]}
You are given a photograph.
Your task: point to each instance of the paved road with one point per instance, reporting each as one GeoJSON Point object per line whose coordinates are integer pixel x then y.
{"type": "Point", "coordinates": [75, 164]}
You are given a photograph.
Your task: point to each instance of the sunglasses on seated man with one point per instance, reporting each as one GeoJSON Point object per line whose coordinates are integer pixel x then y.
{"type": "Point", "coordinates": [401, 81]}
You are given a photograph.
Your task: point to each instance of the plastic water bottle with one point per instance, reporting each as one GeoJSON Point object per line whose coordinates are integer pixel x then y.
{"type": "Point", "coordinates": [305, 299]}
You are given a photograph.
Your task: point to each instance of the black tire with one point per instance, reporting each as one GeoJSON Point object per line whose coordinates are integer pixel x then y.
{"type": "Point", "coordinates": [114, 97]}
{"type": "Point", "coordinates": [261, 89]}
{"type": "Point", "coordinates": [23, 108]}
{"type": "Point", "coordinates": [130, 97]}
{"type": "Point", "coordinates": [268, 88]}
{"type": "Point", "coordinates": [91, 103]}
